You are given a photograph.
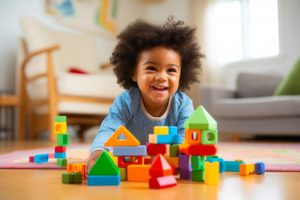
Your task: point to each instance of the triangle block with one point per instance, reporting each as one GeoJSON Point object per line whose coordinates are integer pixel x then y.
{"type": "Point", "coordinates": [160, 167]}
{"type": "Point", "coordinates": [122, 137]}
{"type": "Point", "coordinates": [200, 119]}
{"type": "Point", "coordinates": [104, 165]}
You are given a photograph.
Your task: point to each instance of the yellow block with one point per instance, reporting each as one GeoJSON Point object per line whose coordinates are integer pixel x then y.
{"type": "Point", "coordinates": [60, 127]}
{"type": "Point", "coordinates": [212, 173]}
{"type": "Point", "coordinates": [138, 173]}
{"type": "Point", "coordinates": [247, 169]}
{"type": "Point", "coordinates": [161, 130]}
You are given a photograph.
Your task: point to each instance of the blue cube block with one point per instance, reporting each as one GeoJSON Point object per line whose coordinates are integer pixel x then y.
{"type": "Point", "coordinates": [173, 130]}
{"type": "Point", "coordinates": [60, 155]}
{"type": "Point", "coordinates": [259, 168]}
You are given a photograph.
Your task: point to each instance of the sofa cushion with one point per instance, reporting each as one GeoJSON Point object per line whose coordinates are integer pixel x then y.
{"type": "Point", "coordinates": [273, 106]}
{"type": "Point", "coordinates": [290, 85]}
{"type": "Point", "coordinates": [256, 85]}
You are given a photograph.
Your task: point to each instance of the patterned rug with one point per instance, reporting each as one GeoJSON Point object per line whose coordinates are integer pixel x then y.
{"type": "Point", "coordinates": [277, 157]}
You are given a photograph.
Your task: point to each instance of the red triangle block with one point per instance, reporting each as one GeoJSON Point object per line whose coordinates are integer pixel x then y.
{"type": "Point", "coordinates": [162, 182]}
{"type": "Point", "coordinates": [160, 167]}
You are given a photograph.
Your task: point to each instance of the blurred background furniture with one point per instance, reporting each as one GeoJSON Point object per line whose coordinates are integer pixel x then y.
{"type": "Point", "coordinates": [46, 86]}
{"type": "Point", "coordinates": [252, 108]}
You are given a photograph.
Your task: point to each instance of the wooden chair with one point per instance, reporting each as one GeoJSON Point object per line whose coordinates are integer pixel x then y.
{"type": "Point", "coordinates": [38, 123]}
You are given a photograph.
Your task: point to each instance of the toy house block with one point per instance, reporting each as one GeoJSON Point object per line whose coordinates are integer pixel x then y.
{"type": "Point", "coordinates": [41, 158]}
{"type": "Point", "coordinates": [259, 168]}
{"type": "Point", "coordinates": [104, 165]}
{"type": "Point", "coordinates": [125, 161]}
{"type": "Point", "coordinates": [130, 151]}
{"type": "Point", "coordinates": [123, 174]}
{"type": "Point", "coordinates": [217, 159]}
{"type": "Point", "coordinates": [197, 162]}
{"type": "Point", "coordinates": [185, 173]}
{"type": "Point", "coordinates": [60, 119]}
{"type": "Point", "coordinates": [174, 150]}
{"type": "Point", "coordinates": [162, 182]}
{"type": "Point", "coordinates": [192, 136]}
{"type": "Point", "coordinates": [138, 173]}
{"type": "Point", "coordinates": [202, 150]}
{"type": "Point", "coordinates": [198, 175]}
{"type": "Point", "coordinates": [161, 130]}
{"type": "Point", "coordinates": [211, 173]}
{"type": "Point", "coordinates": [105, 180]}
{"type": "Point", "coordinates": [184, 162]}
{"type": "Point", "coordinates": [173, 130]}
{"type": "Point", "coordinates": [122, 137]}
{"type": "Point", "coordinates": [160, 167]}
{"type": "Point", "coordinates": [62, 139]}
{"type": "Point", "coordinates": [209, 136]}
{"type": "Point", "coordinates": [60, 127]}
{"type": "Point", "coordinates": [200, 119]}
{"type": "Point", "coordinates": [232, 166]}
{"type": "Point", "coordinates": [31, 159]}
{"type": "Point", "coordinates": [154, 149]}
{"type": "Point", "coordinates": [59, 149]}
{"type": "Point", "coordinates": [60, 155]}
{"type": "Point", "coordinates": [62, 162]}
{"type": "Point", "coordinates": [246, 169]}
{"type": "Point", "coordinates": [173, 161]}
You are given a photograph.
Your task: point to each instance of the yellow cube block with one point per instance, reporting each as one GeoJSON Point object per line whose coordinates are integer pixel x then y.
{"type": "Point", "coordinates": [161, 130]}
{"type": "Point", "coordinates": [60, 127]}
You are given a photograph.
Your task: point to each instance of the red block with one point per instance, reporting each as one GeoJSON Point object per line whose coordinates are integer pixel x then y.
{"type": "Point", "coordinates": [60, 149]}
{"type": "Point", "coordinates": [160, 167]}
{"type": "Point", "coordinates": [31, 158]}
{"type": "Point", "coordinates": [162, 182]}
{"type": "Point", "coordinates": [124, 161]}
{"type": "Point", "coordinates": [147, 160]}
{"type": "Point", "coordinates": [154, 149]}
{"type": "Point", "coordinates": [202, 150]}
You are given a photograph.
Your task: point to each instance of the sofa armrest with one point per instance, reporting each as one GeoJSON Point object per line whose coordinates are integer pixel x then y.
{"type": "Point", "coordinates": [209, 94]}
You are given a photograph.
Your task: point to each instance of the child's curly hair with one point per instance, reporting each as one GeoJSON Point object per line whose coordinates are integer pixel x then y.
{"type": "Point", "coordinates": [140, 36]}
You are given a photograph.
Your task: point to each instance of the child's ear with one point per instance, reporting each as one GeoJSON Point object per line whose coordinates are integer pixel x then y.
{"type": "Point", "coordinates": [133, 77]}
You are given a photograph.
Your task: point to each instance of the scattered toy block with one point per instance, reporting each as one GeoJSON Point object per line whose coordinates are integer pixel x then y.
{"type": "Point", "coordinates": [138, 173]}
{"type": "Point", "coordinates": [161, 130]}
{"type": "Point", "coordinates": [233, 166]}
{"type": "Point", "coordinates": [154, 149]}
{"type": "Point", "coordinates": [162, 182]}
{"type": "Point", "coordinates": [70, 178]}
{"type": "Point", "coordinates": [202, 150]}
{"type": "Point", "coordinates": [160, 167]}
{"type": "Point", "coordinates": [104, 165]}
{"type": "Point", "coordinates": [212, 173]}
{"type": "Point", "coordinates": [130, 151]}
{"type": "Point", "coordinates": [174, 150]}
{"type": "Point", "coordinates": [104, 180]}
{"type": "Point", "coordinates": [209, 136]}
{"type": "Point", "coordinates": [192, 136]}
{"type": "Point", "coordinates": [259, 168]}
{"type": "Point", "coordinates": [246, 169]}
{"type": "Point", "coordinates": [122, 137]}
{"type": "Point", "coordinates": [125, 161]}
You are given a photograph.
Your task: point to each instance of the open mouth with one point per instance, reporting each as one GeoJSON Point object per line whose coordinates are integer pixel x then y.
{"type": "Point", "coordinates": [160, 89]}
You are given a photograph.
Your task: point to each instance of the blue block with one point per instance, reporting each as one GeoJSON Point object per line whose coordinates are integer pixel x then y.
{"type": "Point", "coordinates": [41, 158]}
{"type": "Point", "coordinates": [233, 166]}
{"type": "Point", "coordinates": [221, 162]}
{"type": "Point", "coordinates": [60, 155]}
{"type": "Point", "coordinates": [173, 130]}
{"type": "Point", "coordinates": [130, 151]}
{"type": "Point", "coordinates": [259, 168]}
{"type": "Point", "coordinates": [103, 180]}
{"type": "Point", "coordinates": [168, 139]}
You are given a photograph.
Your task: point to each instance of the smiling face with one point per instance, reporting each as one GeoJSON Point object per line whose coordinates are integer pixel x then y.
{"type": "Point", "coordinates": [157, 75]}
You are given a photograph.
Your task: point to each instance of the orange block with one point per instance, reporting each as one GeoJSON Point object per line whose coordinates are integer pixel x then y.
{"type": "Point", "coordinates": [138, 173]}
{"type": "Point", "coordinates": [246, 169]}
{"type": "Point", "coordinates": [122, 137]}
{"type": "Point", "coordinates": [192, 136]}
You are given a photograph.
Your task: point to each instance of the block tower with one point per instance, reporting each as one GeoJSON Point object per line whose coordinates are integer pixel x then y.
{"type": "Point", "coordinates": [62, 140]}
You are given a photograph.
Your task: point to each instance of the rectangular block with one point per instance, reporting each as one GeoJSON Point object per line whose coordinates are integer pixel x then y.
{"type": "Point", "coordinates": [31, 159]}
{"type": "Point", "coordinates": [130, 151]}
{"type": "Point", "coordinates": [197, 162]}
{"type": "Point", "coordinates": [217, 159]}
{"type": "Point", "coordinates": [259, 168]}
{"type": "Point", "coordinates": [185, 173]}
{"type": "Point", "coordinates": [123, 174]}
{"type": "Point", "coordinates": [138, 173]}
{"type": "Point", "coordinates": [41, 158]}
{"type": "Point", "coordinates": [184, 162]}
{"type": "Point", "coordinates": [202, 150]}
{"type": "Point", "coordinates": [174, 150]}
{"type": "Point", "coordinates": [62, 139]}
{"type": "Point", "coordinates": [103, 180]}
{"type": "Point", "coordinates": [60, 155]}
{"type": "Point", "coordinates": [161, 130]}
{"type": "Point", "coordinates": [198, 175]}
{"type": "Point", "coordinates": [212, 173]}
{"type": "Point", "coordinates": [125, 161]}
{"type": "Point", "coordinates": [60, 149]}
{"type": "Point", "coordinates": [60, 118]}
{"type": "Point", "coordinates": [162, 182]}
{"type": "Point", "coordinates": [233, 166]}
{"type": "Point", "coordinates": [154, 149]}
{"type": "Point", "coordinates": [165, 139]}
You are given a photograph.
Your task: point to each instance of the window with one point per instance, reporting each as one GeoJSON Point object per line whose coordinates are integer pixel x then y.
{"type": "Point", "coordinates": [244, 29]}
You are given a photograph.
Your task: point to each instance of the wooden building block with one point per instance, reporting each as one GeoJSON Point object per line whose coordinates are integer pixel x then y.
{"type": "Point", "coordinates": [125, 161]}
{"type": "Point", "coordinates": [60, 127]}
{"type": "Point", "coordinates": [138, 173]}
{"type": "Point", "coordinates": [160, 167]}
{"type": "Point", "coordinates": [130, 151]}
{"type": "Point", "coordinates": [192, 136]}
{"type": "Point", "coordinates": [162, 182]}
{"type": "Point", "coordinates": [212, 173]}
{"type": "Point", "coordinates": [104, 165]}
{"type": "Point", "coordinates": [122, 137]}
{"type": "Point", "coordinates": [202, 150]}
{"type": "Point", "coordinates": [209, 136]}
{"type": "Point", "coordinates": [104, 180]}
{"type": "Point", "coordinates": [154, 149]}
{"type": "Point", "coordinates": [259, 168]}
{"type": "Point", "coordinates": [161, 130]}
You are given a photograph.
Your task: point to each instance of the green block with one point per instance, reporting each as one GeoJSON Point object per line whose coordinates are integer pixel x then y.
{"type": "Point", "coordinates": [197, 162]}
{"type": "Point", "coordinates": [209, 136]}
{"type": "Point", "coordinates": [62, 139]}
{"type": "Point", "coordinates": [174, 150]}
{"type": "Point", "coordinates": [198, 175]}
{"type": "Point", "coordinates": [123, 174]}
{"type": "Point", "coordinates": [61, 162]}
{"type": "Point", "coordinates": [200, 119]}
{"type": "Point", "coordinates": [60, 119]}
{"type": "Point", "coordinates": [67, 178]}
{"type": "Point", "coordinates": [77, 177]}
{"type": "Point", "coordinates": [104, 165]}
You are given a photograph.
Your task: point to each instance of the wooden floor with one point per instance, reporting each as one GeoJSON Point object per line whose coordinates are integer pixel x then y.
{"type": "Point", "coordinates": [46, 184]}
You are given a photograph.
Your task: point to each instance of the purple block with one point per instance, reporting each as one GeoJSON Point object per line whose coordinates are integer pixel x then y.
{"type": "Point", "coordinates": [184, 162]}
{"type": "Point", "coordinates": [185, 173]}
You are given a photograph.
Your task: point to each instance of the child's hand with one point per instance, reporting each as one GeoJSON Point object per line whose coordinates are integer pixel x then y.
{"type": "Point", "coordinates": [92, 159]}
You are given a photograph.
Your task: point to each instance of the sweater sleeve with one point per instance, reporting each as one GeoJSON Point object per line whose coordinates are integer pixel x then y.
{"type": "Point", "coordinates": [119, 114]}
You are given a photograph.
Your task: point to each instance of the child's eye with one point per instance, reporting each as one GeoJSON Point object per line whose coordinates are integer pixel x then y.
{"type": "Point", "coordinates": [151, 68]}
{"type": "Point", "coordinates": [172, 70]}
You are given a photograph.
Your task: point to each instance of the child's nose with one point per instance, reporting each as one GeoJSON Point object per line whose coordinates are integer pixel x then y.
{"type": "Point", "coordinates": [160, 77]}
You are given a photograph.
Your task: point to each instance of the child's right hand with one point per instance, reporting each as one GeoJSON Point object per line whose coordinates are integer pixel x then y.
{"type": "Point", "coordinates": [92, 159]}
